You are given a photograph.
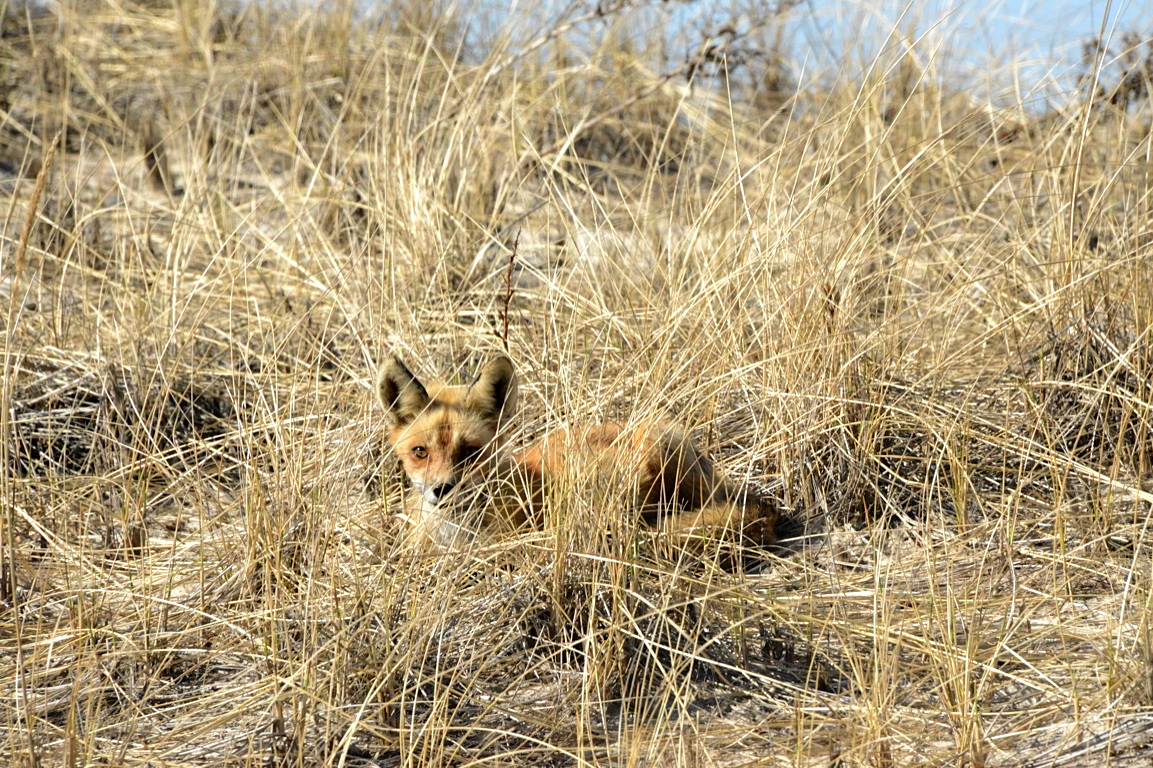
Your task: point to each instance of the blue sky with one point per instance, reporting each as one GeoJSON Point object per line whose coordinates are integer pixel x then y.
{"type": "Point", "coordinates": [1008, 51]}
{"type": "Point", "coordinates": [1028, 27]}
{"type": "Point", "coordinates": [1037, 32]}
{"type": "Point", "coordinates": [1011, 48]}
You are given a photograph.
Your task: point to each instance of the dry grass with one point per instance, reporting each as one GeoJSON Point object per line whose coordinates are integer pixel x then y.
{"type": "Point", "coordinates": [919, 323]}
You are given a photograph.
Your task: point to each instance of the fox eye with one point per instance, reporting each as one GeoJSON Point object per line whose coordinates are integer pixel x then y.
{"type": "Point", "coordinates": [467, 453]}
{"type": "Point", "coordinates": [420, 452]}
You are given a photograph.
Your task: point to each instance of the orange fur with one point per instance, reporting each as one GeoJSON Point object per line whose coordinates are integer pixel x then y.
{"type": "Point", "coordinates": [450, 442]}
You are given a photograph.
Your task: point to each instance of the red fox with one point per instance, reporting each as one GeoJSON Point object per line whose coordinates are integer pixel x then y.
{"type": "Point", "coordinates": [451, 442]}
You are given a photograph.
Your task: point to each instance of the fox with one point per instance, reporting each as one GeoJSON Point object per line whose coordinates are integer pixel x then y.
{"type": "Point", "coordinates": [465, 480]}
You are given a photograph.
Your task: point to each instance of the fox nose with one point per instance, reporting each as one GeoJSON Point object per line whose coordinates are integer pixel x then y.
{"type": "Point", "coordinates": [442, 489]}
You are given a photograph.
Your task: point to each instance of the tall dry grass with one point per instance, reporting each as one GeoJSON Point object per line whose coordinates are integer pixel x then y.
{"type": "Point", "coordinates": [918, 322]}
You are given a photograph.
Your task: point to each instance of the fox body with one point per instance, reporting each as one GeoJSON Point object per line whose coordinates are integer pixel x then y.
{"type": "Point", "coordinates": [450, 441]}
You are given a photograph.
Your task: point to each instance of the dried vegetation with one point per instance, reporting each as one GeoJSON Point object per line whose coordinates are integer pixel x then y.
{"type": "Point", "coordinates": [919, 322]}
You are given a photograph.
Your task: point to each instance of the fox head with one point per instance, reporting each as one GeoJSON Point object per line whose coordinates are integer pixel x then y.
{"type": "Point", "coordinates": [445, 436]}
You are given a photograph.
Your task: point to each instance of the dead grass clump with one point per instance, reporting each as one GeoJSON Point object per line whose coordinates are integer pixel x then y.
{"type": "Point", "coordinates": [68, 420]}
{"type": "Point", "coordinates": [1094, 381]}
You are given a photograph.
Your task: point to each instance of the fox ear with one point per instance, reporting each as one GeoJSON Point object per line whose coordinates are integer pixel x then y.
{"type": "Point", "coordinates": [494, 392]}
{"type": "Point", "coordinates": [403, 397]}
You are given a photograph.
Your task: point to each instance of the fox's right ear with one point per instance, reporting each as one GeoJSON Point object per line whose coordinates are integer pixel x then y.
{"type": "Point", "coordinates": [401, 394]}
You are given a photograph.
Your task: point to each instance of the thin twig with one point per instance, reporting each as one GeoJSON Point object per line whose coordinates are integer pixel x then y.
{"type": "Point", "coordinates": [508, 292]}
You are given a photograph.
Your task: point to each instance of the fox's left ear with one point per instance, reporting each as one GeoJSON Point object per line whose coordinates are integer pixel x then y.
{"type": "Point", "coordinates": [494, 392]}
